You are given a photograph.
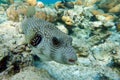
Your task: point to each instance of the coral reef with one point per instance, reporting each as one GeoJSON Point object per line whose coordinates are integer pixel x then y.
{"type": "Point", "coordinates": [115, 9]}
{"type": "Point", "coordinates": [94, 26]}
{"type": "Point", "coordinates": [62, 28]}
{"type": "Point", "coordinates": [64, 5]}
{"type": "Point", "coordinates": [31, 2]}
{"type": "Point", "coordinates": [118, 26]}
{"type": "Point", "coordinates": [100, 15]}
{"type": "Point", "coordinates": [40, 4]}
{"type": "Point", "coordinates": [33, 74]}
{"type": "Point", "coordinates": [67, 20]}
{"type": "Point", "coordinates": [59, 5]}
{"type": "Point", "coordinates": [46, 13]}
{"type": "Point", "coordinates": [18, 11]}
{"type": "Point", "coordinates": [15, 10]}
{"type": "Point", "coordinates": [86, 2]}
{"type": "Point", "coordinates": [7, 1]}
{"type": "Point", "coordinates": [12, 14]}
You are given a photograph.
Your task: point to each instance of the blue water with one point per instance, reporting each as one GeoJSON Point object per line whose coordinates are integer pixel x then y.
{"type": "Point", "coordinates": [49, 1]}
{"type": "Point", "coordinates": [52, 1]}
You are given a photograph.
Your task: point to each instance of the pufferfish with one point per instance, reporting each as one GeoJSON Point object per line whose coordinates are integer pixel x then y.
{"type": "Point", "coordinates": [48, 42]}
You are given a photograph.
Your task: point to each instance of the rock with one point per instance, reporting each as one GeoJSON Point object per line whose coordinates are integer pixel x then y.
{"type": "Point", "coordinates": [8, 32]}
{"type": "Point", "coordinates": [3, 53]}
{"type": "Point", "coordinates": [2, 10]}
{"type": "Point", "coordinates": [118, 26]}
{"type": "Point", "coordinates": [31, 73]}
{"type": "Point", "coordinates": [86, 3]}
{"type": "Point", "coordinates": [109, 5]}
{"type": "Point", "coordinates": [40, 4]}
{"type": "Point", "coordinates": [115, 9]}
{"type": "Point", "coordinates": [101, 18]}
{"type": "Point", "coordinates": [81, 47]}
{"type": "Point", "coordinates": [62, 28]}
{"type": "Point", "coordinates": [83, 70]}
{"type": "Point", "coordinates": [78, 2]}
{"type": "Point", "coordinates": [96, 24]}
{"type": "Point", "coordinates": [109, 24]}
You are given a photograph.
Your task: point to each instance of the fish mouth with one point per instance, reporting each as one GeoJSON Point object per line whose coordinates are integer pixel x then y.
{"type": "Point", "coordinates": [71, 61]}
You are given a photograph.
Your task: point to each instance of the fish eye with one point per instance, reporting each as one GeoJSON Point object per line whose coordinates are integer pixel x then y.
{"type": "Point", "coordinates": [56, 42]}
{"type": "Point", "coordinates": [36, 40]}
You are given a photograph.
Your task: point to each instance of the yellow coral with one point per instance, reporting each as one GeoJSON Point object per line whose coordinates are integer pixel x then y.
{"type": "Point", "coordinates": [59, 5]}
{"type": "Point", "coordinates": [115, 9]}
{"type": "Point", "coordinates": [67, 20]}
{"type": "Point", "coordinates": [32, 2]}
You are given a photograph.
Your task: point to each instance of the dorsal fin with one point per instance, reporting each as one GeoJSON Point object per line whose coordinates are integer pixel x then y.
{"type": "Point", "coordinates": [30, 11]}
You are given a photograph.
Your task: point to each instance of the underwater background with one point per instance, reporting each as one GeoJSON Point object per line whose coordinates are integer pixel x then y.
{"type": "Point", "coordinates": [90, 30]}
{"type": "Point", "coordinates": [49, 1]}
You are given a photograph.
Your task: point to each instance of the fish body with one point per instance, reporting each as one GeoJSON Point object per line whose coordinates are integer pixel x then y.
{"type": "Point", "coordinates": [48, 42]}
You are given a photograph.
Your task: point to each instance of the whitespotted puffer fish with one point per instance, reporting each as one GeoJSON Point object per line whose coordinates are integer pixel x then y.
{"type": "Point", "coordinates": [48, 42]}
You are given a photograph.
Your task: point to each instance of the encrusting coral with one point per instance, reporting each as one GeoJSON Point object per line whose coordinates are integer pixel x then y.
{"type": "Point", "coordinates": [18, 11]}
{"type": "Point", "coordinates": [15, 10]}
{"type": "Point", "coordinates": [67, 20]}
{"type": "Point", "coordinates": [12, 13]}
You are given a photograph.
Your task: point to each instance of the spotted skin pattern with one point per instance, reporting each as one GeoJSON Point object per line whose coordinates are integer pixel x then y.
{"type": "Point", "coordinates": [50, 43]}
